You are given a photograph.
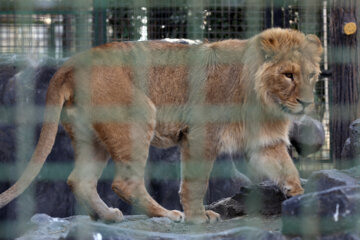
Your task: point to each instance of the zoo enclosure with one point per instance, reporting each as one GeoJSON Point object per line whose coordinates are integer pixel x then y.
{"type": "Point", "coordinates": [62, 28]}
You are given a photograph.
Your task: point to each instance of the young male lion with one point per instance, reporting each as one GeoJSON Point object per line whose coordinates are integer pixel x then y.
{"type": "Point", "coordinates": [118, 99]}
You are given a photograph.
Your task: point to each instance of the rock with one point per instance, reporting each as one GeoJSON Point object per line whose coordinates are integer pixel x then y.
{"type": "Point", "coordinates": [351, 148]}
{"type": "Point", "coordinates": [7, 71]}
{"type": "Point", "coordinates": [271, 196]}
{"type": "Point", "coordinates": [60, 197]}
{"type": "Point", "coordinates": [228, 208]}
{"type": "Point", "coordinates": [353, 172]}
{"type": "Point", "coordinates": [324, 189]}
{"type": "Point", "coordinates": [307, 135]}
{"type": "Point", "coordinates": [7, 143]}
{"type": "Point", "coordinates": [336, 236]}
{"type": "Point", "coordinates": [225, 179]}
{"type": "Point", "coordinates": [163, 176]}
{"type": "Point", "coordinates": [8, 96]}
{"type": "Point", "coordinates": [326, 179]}
{"type": "Point", "coordinates": [140, 227]}
{"type": "Point", "coordinates": [335, 210]}
{"type": "Point", "coordinates": [341, 236]}
{"type": "Point", "coordinates": [264, 198]}
{"type": "Point", "coordinates": [348, 151]}
{"type": "Point", "coordinates": [42, 76]}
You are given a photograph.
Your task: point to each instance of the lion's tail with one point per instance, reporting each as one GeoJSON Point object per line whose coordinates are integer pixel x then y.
{"type": "Point", "coordinates": [55, 99]}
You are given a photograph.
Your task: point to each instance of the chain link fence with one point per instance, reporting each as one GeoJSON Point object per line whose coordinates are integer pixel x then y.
{"type": "Point", "coordinates": [31, 31]}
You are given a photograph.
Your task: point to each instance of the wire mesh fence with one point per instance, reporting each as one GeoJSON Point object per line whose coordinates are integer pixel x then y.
{"type": "Point", "coordinates": [38, 30]}
{"type": "Point", "coordinates": [62, 30]}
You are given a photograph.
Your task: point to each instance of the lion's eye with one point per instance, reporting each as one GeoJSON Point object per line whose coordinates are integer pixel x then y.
{"type": "Point", "coordinates": [289, 75]}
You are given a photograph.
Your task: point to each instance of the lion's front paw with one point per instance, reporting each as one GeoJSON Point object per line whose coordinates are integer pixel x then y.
{"type": "Point", "coordinates": [176, 216]}
{"type": "Point", "coordinates": [292, 187]}
{"type": "Point", "coordinates": [207, 217]}
{"type": "Point", "coordinates": [294, 191]}
{"type": "Point", "coordinates": [111, 215]}
{"type": "Point", "coordinates": [115, 215]}
{"type": "Point", "coordinates": [212, 216]}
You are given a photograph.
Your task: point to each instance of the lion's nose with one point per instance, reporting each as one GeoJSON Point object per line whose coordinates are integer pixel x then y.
{"type": "Point", "coordinates": [303, 103]}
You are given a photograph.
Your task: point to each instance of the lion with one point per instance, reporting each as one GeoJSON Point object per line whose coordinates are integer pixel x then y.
{"type": "Point", "coordinates": [117, 99]}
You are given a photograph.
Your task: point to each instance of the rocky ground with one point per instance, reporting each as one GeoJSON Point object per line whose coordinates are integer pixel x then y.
{"type": "Point", "coordinates": [329, 210]}
{"type": "Point", "coordinates": [141, 227]}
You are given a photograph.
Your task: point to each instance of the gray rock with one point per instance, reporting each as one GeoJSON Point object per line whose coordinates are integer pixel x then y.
{"type": "Point", "coordinates": [326, 179]}
{"type": "Point", "coordinates": [351, 148]}
{"type": "Point", "coordinates": [322, 213]}
{"type": "Point", "coordinates": [348, 151]}
{"type": "Point", "coordinates": [140, 227]}
{"type": "Point", "coordinates": [353, 172]}
{"type": "Point", "coordinates": [307, 135]}
{"type": "Point", "coordinates": [60, 197]}
{"type": "Point", "coordinates": [225, 180]}
{"type": "Point", "coordinates": [7, 72]}
{"type": "Point", "coordinates": [323, 190]}
{"type": "Point", "coordinates": [341, 236]}
{"type": "Point", "coordinates": [264, 198]}
{"type": "Point", "coordinates": [271, 198]}
{"type": "Point", "coordinates": [336, 236]}
{"type": "Point", "coordinates": [228, 208]}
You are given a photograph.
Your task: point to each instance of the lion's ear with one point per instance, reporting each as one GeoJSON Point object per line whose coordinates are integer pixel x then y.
{"type": "Point", "coordinates": [268, 44]}
{"type": "Point", "coordinates": [314, 44]}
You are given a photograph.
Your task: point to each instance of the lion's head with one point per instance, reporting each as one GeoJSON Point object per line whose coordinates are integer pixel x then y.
{"type": "Point", "coordinates": [290, 69]}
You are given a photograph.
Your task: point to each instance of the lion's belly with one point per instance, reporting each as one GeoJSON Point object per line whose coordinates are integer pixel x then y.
{"type": "Point", "coordinates": [168, 134]}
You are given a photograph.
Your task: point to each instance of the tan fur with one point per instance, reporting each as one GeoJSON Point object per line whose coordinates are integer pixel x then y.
{"type": "Point", "coordinates": [227, 96]}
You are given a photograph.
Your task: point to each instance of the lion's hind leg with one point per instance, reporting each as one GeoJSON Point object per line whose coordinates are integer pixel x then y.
{"type": "Point", "coordinates": [128, 144]}
{"type": "Point", "coordinates": [90, 161]}
{"type": "Point", "coordinates": [129, 185]}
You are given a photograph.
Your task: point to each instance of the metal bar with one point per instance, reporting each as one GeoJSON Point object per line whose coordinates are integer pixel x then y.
{"type": "Point", "coordinates": [99, 22]}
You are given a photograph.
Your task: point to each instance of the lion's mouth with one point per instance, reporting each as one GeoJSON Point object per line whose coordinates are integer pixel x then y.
{"type": "Point", "coordinates": [286, 109]}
